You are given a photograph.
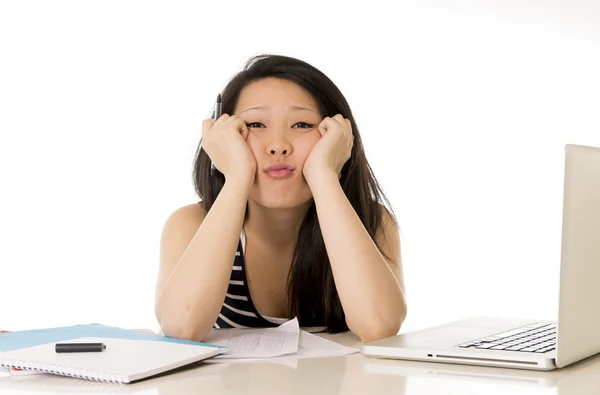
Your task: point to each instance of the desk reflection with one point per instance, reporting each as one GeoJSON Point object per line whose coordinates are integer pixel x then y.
{"type": "Point", "coordinates": [581, 378]}
{"type": "Point", "coordinates": [349, 375]}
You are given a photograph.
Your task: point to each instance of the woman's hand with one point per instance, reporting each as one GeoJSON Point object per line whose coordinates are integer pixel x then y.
{"type": "Point", "coordinates": [333, 150]}
{"type": "Point", "coordinates": [224, 140]}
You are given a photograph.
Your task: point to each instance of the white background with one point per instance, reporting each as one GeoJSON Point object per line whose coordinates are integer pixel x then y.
{"type": "Point", "coordinates": [464, 108]}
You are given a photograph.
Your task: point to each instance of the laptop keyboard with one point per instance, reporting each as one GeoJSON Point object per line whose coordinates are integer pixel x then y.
{"type": "Point", "coordinates": [537, 338]}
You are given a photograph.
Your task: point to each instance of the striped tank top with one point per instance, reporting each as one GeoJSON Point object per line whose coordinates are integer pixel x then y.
{"type": "Point", "coordinates": [238, 311]}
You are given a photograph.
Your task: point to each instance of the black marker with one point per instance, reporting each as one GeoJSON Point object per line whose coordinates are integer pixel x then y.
{"type": "Point", "coordinates": [217, 115]}
{"type": "Point", "coordinates": [80, 347]}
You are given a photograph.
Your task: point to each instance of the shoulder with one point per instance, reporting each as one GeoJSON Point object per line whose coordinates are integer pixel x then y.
{"type": "Point", "coordinates": [184, 220]}
{"type": "Point", "coordinates": [387, 239]}
{"type": "Point", "coordinates": [388, 222]}
{"type": "Point", "coordinates": [178, 230]}
{"type": "Point", "coordinates": [387, 236]}
{"type": "Point", "coordinates": [188, 214]}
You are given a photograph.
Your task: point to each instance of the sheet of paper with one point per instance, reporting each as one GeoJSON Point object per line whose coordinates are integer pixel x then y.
{"type": "Point", "coordinates": [257, 343]}
{"type": "Point", "coordinates": [312, 346]}
{"type": "Point", "coordinates": [309, 346]}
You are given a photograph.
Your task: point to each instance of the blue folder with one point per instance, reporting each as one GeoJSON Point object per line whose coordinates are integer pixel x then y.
{"type": "Point", "coordinates": [34, 337]}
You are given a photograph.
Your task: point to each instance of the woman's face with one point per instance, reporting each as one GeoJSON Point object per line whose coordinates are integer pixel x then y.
{"type": "Point", "coordinates": [282, 119]}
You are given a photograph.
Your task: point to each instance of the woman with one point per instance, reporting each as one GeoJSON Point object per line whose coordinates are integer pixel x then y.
{"type": "Point", "coordinates": [291, 224]}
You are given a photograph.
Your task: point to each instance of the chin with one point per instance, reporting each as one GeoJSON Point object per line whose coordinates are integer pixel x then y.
{"type": "Point", "coordinates": [281, 196]}
{"type": "Point", "coordinates": [281, 201]}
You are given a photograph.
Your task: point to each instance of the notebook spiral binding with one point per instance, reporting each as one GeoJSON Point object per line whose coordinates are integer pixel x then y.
{"type": "Point", "coordinates": [67, 372]}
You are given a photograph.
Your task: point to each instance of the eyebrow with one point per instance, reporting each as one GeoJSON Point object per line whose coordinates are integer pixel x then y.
{"type": "Point", "coordinates": [296, 108]}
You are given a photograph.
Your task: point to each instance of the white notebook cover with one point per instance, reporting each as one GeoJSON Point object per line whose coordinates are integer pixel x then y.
{"type": "Point", "coordinates": [123, 361]}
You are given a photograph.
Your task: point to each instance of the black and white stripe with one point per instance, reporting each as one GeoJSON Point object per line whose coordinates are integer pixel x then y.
{"type": "Point", "coordinates": [238, 311]}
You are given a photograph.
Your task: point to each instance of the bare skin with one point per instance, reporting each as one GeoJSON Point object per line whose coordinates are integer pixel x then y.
{"type": "Point", "coordinates": [197, 248]}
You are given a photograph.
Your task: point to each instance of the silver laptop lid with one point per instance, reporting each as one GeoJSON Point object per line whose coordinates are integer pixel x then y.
{"type": "Point", "coordinates": [579, 303]}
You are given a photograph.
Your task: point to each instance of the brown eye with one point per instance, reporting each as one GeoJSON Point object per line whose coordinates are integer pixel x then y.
{"type": "Point", "coordinates": [252, 125]}
{"type": "Point", "coordinates": [305, 125]}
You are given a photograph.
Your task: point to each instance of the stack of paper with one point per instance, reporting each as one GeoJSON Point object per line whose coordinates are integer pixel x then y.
{"type": "Point", "coordinates": [16, 371]}
{"type": "Point", "coordinates": [285, 341]}
{"type": "Point", "coordinates": [129, 355]}
{"type": "Point", "coordinates": [259, 344]}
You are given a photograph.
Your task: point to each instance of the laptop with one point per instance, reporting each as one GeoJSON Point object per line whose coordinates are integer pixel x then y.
{"type": "Point", "coordinates": [531, 344]}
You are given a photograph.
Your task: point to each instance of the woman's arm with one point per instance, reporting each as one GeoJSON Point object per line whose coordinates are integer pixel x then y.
{"type": "Point", "coordinates": [196, 255]}
{"type": "Point", "coordinates": [371, 288]}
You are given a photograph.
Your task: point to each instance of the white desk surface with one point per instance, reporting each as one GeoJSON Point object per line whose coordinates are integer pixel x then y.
{"type": "Point", "coordinates": [353, 374]}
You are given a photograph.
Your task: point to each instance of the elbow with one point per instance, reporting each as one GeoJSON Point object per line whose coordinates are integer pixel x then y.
{"type": "Point", "coordinates": [378, 332]}
{"type": "Point", "coordinates": [182, 330]}
{"type": "Point", "coordinates": [385, 327]}
{"type": "Point", "coordinates": [177, 327]}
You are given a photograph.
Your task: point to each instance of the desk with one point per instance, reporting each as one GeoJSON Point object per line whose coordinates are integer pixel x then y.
{"type": "Point", "coordinates": [352, 374]}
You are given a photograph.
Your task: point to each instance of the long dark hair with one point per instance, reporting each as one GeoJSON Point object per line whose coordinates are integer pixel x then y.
{"type": "Point", "coordinates": [311, 292]}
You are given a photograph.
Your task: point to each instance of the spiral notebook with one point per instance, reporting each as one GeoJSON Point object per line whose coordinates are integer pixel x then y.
{"type": "Point", "coordinates": [123, 361]}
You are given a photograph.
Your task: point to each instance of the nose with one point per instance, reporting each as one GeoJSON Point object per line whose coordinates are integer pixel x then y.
{"type": "Point", "coordinates": [279, 147]}
{"type": "Point", "coordinates": [283, 151]}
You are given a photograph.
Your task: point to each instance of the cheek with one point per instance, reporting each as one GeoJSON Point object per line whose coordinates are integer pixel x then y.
{"type": "Point", "coordinates": [254, 145]}
{"type": "Point", "coordinates": [303, 150]}
{"type": "Point", "coordinates": [306, 145]}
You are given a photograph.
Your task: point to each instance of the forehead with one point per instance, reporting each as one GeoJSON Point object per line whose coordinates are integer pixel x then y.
{"type": "Point", "coordinates": [274, 92]}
